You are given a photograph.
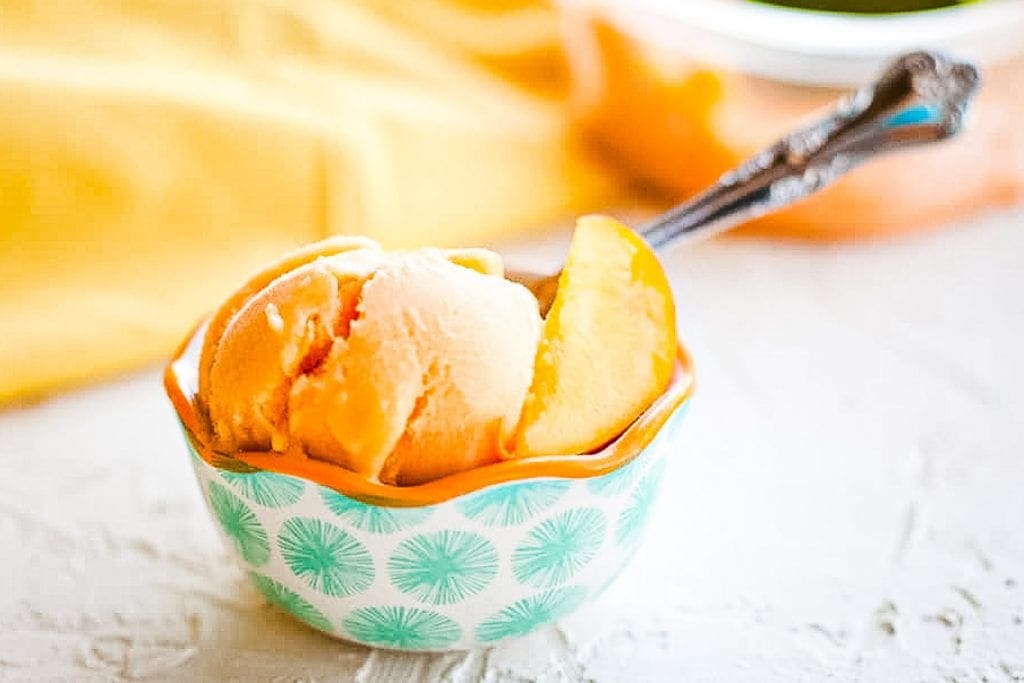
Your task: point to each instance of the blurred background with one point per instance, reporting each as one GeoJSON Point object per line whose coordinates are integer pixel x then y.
{"type": "Point", "coordinates": [152, 152]}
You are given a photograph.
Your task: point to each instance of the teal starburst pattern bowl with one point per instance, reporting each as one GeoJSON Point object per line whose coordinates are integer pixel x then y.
{"type": "Point", "coordinates": [467, 572]}
{"type": "Point", "coordinates": [493, 554]}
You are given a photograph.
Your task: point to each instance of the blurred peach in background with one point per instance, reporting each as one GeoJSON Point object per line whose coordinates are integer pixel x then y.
{"type": "Point", "coordinates": [677, 93]}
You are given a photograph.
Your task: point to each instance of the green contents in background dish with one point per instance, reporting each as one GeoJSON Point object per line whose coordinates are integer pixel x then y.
{"type": "Point", "coordinates": [867, 6]}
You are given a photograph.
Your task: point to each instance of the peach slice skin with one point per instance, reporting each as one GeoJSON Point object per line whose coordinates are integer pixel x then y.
{"type": "Point", "coordinates": [608, 347]}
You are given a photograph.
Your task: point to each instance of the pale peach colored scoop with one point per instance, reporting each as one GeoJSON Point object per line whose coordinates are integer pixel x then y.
{"type": "Point", "coordinates": [401, 366]}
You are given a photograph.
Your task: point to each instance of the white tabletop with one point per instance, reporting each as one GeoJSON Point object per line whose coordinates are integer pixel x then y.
{"type": "Point", "coordinates": [847, 501]}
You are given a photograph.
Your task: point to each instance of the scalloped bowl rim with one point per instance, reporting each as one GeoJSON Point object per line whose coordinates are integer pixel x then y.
{"type": "Point", "coordinates": [180, 383]}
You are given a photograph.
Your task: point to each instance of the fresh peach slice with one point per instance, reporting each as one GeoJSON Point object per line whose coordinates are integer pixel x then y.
{"type": "Point", "coordinates": [608, 346]}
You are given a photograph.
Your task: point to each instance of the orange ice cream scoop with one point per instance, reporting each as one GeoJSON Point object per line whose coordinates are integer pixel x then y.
{"type": "Point", "coordinates": [402, 366]}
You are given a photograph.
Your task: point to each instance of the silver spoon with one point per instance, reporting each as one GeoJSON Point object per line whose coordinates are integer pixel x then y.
{"type": "Point", "coordinates": [919, 99]}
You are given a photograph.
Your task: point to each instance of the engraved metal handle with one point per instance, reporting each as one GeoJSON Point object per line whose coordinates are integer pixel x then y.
{"type": "Point", "coordinates": [920, 98]}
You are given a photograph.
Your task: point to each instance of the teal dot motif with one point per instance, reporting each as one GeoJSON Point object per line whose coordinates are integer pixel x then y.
{"type": "Point", "coordinates": [240, 524]}
{"type": "Point", "coordinates": [402, 628]}
{"type": "Point", "coordinates": [557, 548]}
{"type": "Point", "coordinates": [617, 481]}
{"type": "Point", "coordinates": [512, 503]}
{"type": "Point", "coordinates": [290, 602]}
{"type": "Point", "coordinates": [527, 615]}
{"type": "Point", "coordinates": [444, 567]}
{"type": "Point", "coordinates": [633, 518]}
{"type": "Point", "coordinates": [373, 518]}
{"type": "Point", "coordinates": [268, 489]}
{"type": "Point", "coordinates": [328, 559]}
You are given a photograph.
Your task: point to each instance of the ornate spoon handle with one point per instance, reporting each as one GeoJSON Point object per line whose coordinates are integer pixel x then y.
{"type": "Point", "coordinates": [920, 98]}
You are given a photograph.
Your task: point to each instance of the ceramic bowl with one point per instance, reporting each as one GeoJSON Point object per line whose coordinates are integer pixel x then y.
{"type": "Point", "coordinates": [462, 562]}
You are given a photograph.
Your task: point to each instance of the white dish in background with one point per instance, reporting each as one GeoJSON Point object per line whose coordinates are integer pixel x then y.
{"type": "Point", "coordinates": [814, 48]}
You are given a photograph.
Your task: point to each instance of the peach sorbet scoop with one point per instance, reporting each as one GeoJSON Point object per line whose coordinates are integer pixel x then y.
{"type": "Point", "coordinates": [400, 366]}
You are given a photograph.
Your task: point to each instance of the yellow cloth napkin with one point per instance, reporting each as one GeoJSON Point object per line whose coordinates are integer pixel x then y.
{"type": "Point", "coordinates": [154, 152]}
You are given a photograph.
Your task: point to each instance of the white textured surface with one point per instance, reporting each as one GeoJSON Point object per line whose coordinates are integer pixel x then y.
{"type": "Point", "coordinates": [848, 501]}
